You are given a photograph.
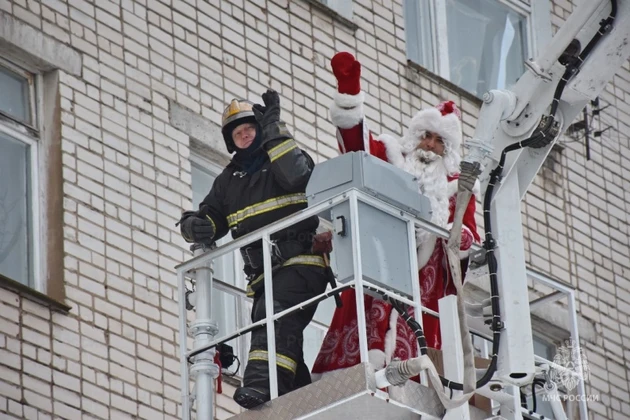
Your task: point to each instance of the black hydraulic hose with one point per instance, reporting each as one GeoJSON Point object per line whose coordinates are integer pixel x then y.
{"type": "Point", "coordinates": [413, 324]}
{"type": "Point", "coordinates": [523, 399]}
{"type": "Point", "coordinates": [538, 382]}
{"type": "Point", "coordinates": [541, 138]}
{"type": "Point", "coordinates": [605, 26]}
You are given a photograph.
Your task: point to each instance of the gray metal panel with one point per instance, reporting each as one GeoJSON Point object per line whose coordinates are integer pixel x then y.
{"type": "Point", "coordinates": [393, 185]}
{"type": "Point", "coordinates": [372, 175]}
{"type": "Point", "coordinates": [384, 262]}
{"type": "Point", "coordinates": [386, 258]}
{"type": "Point", "coordinates": [347, 394]}
{"type": "Point", "coordinates": [328, 176]}
{"type": "Point", "coordinates": [341, 256]}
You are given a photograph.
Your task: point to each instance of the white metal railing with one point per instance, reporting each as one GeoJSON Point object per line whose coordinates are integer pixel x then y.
{"type": "Point", "coordinates": [190, 267]}
{"type": "Point", "coordinates": [559, 291]}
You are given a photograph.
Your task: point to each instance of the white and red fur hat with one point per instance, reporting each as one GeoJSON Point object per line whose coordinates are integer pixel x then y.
{"type": "Point", "coordinates": [444, 120]}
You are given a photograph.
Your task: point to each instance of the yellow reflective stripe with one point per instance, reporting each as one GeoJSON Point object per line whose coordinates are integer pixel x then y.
{"type": "Point", "coordinates": [306, 260]}
{"type": "Point", "coordinates": [282, 149]}
{"type": "Point", "coordinates": [265, 206]}
{"type": "Point", "coordinates": [255, 281]}
{"type": "Point", "coordinates": [315, 260]}
{"type": "Point", "coordinates": [214, 227]}
{"type": "Point", "coordinates": [281, 360]}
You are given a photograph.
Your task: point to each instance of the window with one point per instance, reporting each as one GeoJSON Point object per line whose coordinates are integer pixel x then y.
{"type": "Point", "coordinates": [542, 348]}
{"type": "Point", "coordinates": [547, 350]}
{"type": "Point", "coordinates": [227, 310]}
{"type": "Point", "coordinates": [476, 44]}
{"type": "Point", "coordinates": [19, 215]}
{"type": "Point", "coordinates": [343, 7]}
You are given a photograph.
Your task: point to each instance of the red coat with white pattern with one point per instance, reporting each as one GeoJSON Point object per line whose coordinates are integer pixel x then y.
{"type": "Point", "coordinates": [388, 335]}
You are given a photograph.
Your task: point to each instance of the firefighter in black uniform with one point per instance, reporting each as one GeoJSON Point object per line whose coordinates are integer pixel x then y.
{"type": "Point", "coordinates": [265, 182]}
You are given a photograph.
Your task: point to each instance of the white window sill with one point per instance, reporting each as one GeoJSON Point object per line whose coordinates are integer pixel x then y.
{"type": "Point", "coordinates": [33, 295]}
{"type": "Point", "coordinates": [332, 13]}
{"type": "Point", "coordinates": [443, 82]}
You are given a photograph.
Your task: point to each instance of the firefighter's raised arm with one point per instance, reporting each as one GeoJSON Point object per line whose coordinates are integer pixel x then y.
{"type": "Point", "coordinates": [291, 165]}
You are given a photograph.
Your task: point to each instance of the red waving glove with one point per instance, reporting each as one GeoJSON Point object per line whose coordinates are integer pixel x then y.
{"type": "Point", "coordinates": [347, 70]}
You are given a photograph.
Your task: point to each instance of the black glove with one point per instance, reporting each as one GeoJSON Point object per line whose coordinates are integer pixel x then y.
{"type": "Point", "coordinates": [268, 117]}
{"type": "Point", "coordinates": [196, 229]}
{"type": "Point", "coordinates": [270, 113]}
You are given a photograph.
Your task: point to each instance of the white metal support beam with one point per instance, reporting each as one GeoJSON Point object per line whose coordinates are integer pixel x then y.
{"type": "Point", "coordinates": [516, 351]}
{"type": "Point", "coordinates": [452, 352]}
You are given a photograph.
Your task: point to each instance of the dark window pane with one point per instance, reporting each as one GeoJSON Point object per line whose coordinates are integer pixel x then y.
{"type": "Point", "coordinates": [15, 203]}
{"type": "Point", "coordinates": [419, 33]}
{"type": "Point", "coordinates": [14, 99]}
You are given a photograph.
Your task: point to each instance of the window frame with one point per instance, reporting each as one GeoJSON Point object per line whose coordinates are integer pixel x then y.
{"type": "Point", "coordinates": [33, 79]}
{"type": "Point", "coordinates": [537, 22]}
{"type": "Point", "coordinates": [341, 7]}
{"type": "Point", "coordinates": [30, 134]}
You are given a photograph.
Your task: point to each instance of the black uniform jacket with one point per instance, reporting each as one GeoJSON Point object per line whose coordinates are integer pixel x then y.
{"type": "Point", "coordinates": [243, 203]}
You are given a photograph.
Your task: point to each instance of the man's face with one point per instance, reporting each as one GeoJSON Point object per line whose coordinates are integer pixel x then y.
{"type": "Point", "coordinates": [432, 142]}
{"type": "Point", "coordinates": [244, 135]}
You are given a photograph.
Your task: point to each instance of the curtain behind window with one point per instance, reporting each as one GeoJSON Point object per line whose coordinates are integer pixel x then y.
{"type": "Point", "coordinates": [15, 226]}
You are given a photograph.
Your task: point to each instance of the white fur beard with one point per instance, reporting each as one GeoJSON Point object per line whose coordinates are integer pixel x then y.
{"type": "Point", "coordinates": [426, 156]}
{"type": "Point", "coordinates": [433, 183]}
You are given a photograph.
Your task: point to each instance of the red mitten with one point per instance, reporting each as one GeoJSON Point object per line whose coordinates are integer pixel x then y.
{"type": "Point", "coordinates": [347, 70]}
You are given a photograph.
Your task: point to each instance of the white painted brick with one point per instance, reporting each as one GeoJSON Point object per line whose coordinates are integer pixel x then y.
{"type": "Point", "coordinates": [36, 338]}
{"type": "Point", "coordinates": [33, 385]}
{"type": "Point", "coordinates": [10, 390]}
{"type": "Point", "coordinates": [70, 352]}
{"type": "Point", "coordinates": [95, 393]}
{"type": "Point", "coordinates": [122, 373]}
{"type": "Point", "coordinates": [92, 361]}
{"type": "Point", "coordinates": [9, 327]}
{"type": "Point", "coordinates": [37, 370]}
{"type": "Point", "coordinates": [10, 359]}
{"type": "Point", "coordinates": [124, 404]}
{"type": "Point", "coordinates": [123, 359]}
{"type": "Point", "coordinates": [201, 55]}
{"type": "Point", "coordinates": [149, 413]}
{"type": "Point", "coordinates": [37, 323]}
{"type": "Point", "coordinates": [99, 410]}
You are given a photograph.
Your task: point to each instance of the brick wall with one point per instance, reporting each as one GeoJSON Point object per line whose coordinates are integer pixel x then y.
{"type": "Point", "coordinates": [127, 177]}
